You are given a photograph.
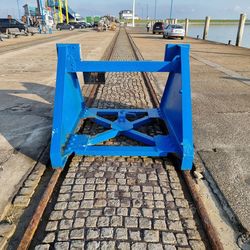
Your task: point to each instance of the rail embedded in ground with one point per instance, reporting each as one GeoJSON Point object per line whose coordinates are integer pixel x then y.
{"type": "Point", "coordinates": [132, 201]}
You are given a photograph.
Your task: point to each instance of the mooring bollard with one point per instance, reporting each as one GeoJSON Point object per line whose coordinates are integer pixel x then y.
{"type": "Point", "coordinates": [240, 29]}
{"type": "Point", "coordinates": [206, 27]}
{"type": "Point", "coordinates": [186, 26]}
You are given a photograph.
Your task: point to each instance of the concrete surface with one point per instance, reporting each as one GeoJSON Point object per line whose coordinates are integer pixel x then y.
{"type": "Point", "coordinates": [27, 79]}
{"type": "Point", "coordinates": [221, 112]}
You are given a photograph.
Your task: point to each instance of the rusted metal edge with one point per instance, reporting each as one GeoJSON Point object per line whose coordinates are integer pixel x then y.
{"type": "Point", "coordinates": [206, 222]}
{"type": "Point", "coordinates": [213, 238]}
{"type": "Point", "coordinates": [34, 223]}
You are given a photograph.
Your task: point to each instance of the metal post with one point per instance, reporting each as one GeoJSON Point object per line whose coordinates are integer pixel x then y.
{"type": "Point", "coordinates": [67, 11]}
{"type": "Point", "coordinates": [171, 9]}
{"type": "Point", "coordinates": [206, 27]}
{"type": "Point", "coordinates": [186, 26]}
{"type": "Point", "coordinates": [18, 9]}
{"type": "Point", "coordinates": [133, 21]}
{"type": "Point", "coordinates": [155, 9]}
{"type": "Point", "coordinates": [60, 11]}
{"type": "Point", "coordinates": [240, 29]}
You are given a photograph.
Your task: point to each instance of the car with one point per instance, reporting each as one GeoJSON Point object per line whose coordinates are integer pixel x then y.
{"type": "Point", "coordinates": [7, 23]}
{"type": "Point", "coordinates": [78, 25]}
{"type": "Point", "coordinates": [174, 30]}
{"type": "Point", "coordinates": [64, 26]}
{"type": "Point", "coordinates": [158, 27]}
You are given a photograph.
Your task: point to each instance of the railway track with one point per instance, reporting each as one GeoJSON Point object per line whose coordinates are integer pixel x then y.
{"type": "Point", "coordinates": [120, 202]}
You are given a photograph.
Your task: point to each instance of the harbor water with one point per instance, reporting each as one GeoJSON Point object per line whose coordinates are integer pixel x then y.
{"type": "Point", "coordinates": [221, 33]}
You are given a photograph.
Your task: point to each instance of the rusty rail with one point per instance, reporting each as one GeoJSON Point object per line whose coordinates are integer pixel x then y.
{"type": "Point", "coordinates": [206, 222]}
{"type": "Point", "coordinates": [33, 225]}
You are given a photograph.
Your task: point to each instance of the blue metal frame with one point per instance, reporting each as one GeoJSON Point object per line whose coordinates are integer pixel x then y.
{"type": "Point", "coordinates": [174, 110]}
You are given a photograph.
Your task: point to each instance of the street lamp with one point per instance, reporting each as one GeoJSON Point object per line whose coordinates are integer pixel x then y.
{"type": "Point", "coordinates": [155, 8]}
{"type": "Point", "coordinates": [171, 8]}
{"type": "Point", "coordinates": [18, 9]}
{"type": "Point", "coordinates": [133, 21]}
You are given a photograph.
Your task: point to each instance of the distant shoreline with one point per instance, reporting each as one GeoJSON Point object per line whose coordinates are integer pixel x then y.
{"type": "Point", "coordinates": [201, 21]}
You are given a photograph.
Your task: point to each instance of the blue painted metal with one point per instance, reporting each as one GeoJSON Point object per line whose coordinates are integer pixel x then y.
{"type": "Point", "coordinates": [174, 110]}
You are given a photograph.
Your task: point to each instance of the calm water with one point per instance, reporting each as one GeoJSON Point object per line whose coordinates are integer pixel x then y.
{"type": "Point", "coordinates": [221, 33]}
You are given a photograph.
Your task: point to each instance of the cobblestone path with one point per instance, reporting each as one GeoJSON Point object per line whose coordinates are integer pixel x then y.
{"type": "Point", "coordinates": [117, 202]}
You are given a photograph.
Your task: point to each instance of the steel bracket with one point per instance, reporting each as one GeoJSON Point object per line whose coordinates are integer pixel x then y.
{"type": "Point", "coordinates": [174, 110]}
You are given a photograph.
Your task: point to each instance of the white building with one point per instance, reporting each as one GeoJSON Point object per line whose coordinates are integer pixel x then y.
{"type": "Point", "coordinates": [126, 14]}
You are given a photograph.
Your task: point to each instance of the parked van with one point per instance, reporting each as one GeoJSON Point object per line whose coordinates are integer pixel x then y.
{"type": "Point", "coordinates": [6, 23]}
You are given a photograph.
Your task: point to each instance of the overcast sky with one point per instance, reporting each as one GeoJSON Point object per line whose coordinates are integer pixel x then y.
{"type": "Point", "coordinates": [219, 9]}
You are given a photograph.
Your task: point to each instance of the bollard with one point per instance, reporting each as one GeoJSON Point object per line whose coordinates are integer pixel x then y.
{"type": "Point", "coordinates": [206, 27]}
{"type": "Point", "coordinates": [186, 26]}
{"type": "Point", "coordinates": [240, 29]}
{"type": "Point", "coordinates": [174, 110]}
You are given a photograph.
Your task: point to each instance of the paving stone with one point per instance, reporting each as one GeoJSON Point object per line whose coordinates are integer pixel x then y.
{"type": "Point", "coordinates": [169, 247]}
{"type": "Point", "coordinates": [79, 223]}
{"type": "Point", "coordinates": [69, 214]}
{"type": "Point", "coordinates": [123, 246]}
{"type": "Point", "coordinates": [76, 234]}
{"type": "Point", "coordinates": [121, 234]}
{"type": "Point", "coordinates": [27, 191]}
{"type": "Point", "coordinates": [197, 245]}
{"type": "Point", "coordinates": [76, 245]}
{"type": "Point", "coordinates": [73, 205]}
{"type": "Point", "coordinates": [151, 236]}
{"type": "Point", "coordinates": [87, 204]}
{"type": "Point", "coordinates": [51, 226]}
{"type": "Point", "coordinates": [185, 213]}
{"type": "Point", "coordinates": [61, 206]}
{"type": "Point", "coordinates": [103, 222]}
{"type": "Point", "coordinates": [63, 235]}
{"type": "Point", "coordinates": [116, 221]}
{"type": "Point", "coordinates": [91, 221]}
{"type": "Point", "coordinates": [65, 224]}
{"type": "Point", "coordinates": [135, 235]}
{"type": "Point", "coordinates": [76, 197]}
{"type": "Point", "coordinates": [56, 215]}
{"type": "Point", "coordinates": [193, 234]}
{"type": "Point", "coordinates": [173, 215]}
{"type": "Point", "coordinates": [93, 234]}
{"type": "Point", "coordinates": [155, 246]}
{"type": "Point", "coordinates": [101, 203]}
{"type": "Point", "coordinates": [168, 238]}
{"type": "Point", "coordinates": [159, 213]}
{"type": "Point", "coordinates": [189, 224]}
{"type": "Point", "coordinates": [62, 245]}
{"type": "Point", "coordinates": [96, 212]}
{"type": "Point", "coordinates": [175, 225]}
{"type": "Point", "coordinates": [7, 230]}
{"type": "Point", "coordinates": [21, 201]}
{"type": "Point", "coordinates": [89, 195]}
{"type": "Point", "coordinates": [107, 245]}
{"type": "Point", "coordinates": [40, 247]}
{"type": "Point", "coordinates": [131, 222]}
{"type": "Point", "coordinates": [135, 212]}
{"type": "Point", "coordinates": [147, 212]}
{"type": "Point", "coordinates": [82, 213]}
{"type": "Point", "coordinates": [145, 223]}
{"type": "Point", "coordinates": [139, 246]}
{"type": "Point", "coordinates": [109, 211]}
{"type": "Point", "coordinates": [107, 233]}
{"type": "Point", "coordinates": [114, 203]}
{"type": "Point", "coordinates": [160, 225]}
{"type": "Point", "coordinates": [49, 238]}
{"type": "Point", "coordinates": [181, 239]}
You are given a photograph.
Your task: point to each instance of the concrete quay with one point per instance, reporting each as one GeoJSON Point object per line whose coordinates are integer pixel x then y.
{"type": "Point", "coordinates": [220, 77]}
{"type": "Point", "coordinates": [27, 80]}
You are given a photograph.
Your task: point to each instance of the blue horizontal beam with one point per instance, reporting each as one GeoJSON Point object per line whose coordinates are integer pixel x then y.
{"type": "Point", "coordinates": [123, 66]}
{"type": "Point", "coordinates": [121, 151]}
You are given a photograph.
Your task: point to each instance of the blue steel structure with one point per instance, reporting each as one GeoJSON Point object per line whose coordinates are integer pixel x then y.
{"type": "Point", "coordinates": [174, 110]}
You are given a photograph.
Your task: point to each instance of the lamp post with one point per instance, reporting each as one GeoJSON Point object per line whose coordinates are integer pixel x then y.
{"type": "Point", "coordinates": [171, 9]}
{"type": "Point", "coordinates": [18, 10]}
{"type": "Point", "coordinates": [133, 21]}
{"type": "Point", "coordinates": [155, 8]}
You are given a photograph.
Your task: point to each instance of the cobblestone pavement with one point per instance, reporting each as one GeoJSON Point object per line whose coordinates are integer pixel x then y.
{"type": "Point", "coordinates": [117, 202]}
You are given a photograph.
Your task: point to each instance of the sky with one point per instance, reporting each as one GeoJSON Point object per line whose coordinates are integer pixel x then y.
{"type": "Point", "coordinates": [193, 9]}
